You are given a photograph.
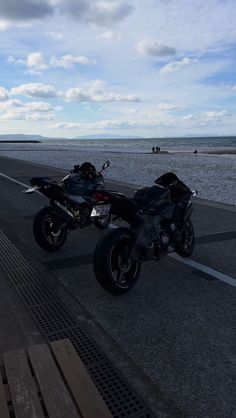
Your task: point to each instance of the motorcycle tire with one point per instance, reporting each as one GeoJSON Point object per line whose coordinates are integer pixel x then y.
{"type": "Point", "coordinates": [49, 231]}
{"type": "Point", "coordinates": [102, 222]}
{"type": "Point", "coordinates": [113, 269]}
{"type": "Point", "coordinates": [185, 247]}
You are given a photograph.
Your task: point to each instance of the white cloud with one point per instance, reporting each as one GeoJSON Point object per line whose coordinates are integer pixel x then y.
{"type": "Point", "coordinates": [99, 12]}
{"type": "Point", "coordinates": [109, 124]}
{"type": "Point", "coordinates": [114, 124]}
{"type": "Point", "coordinates": [56, 36]}
{"type": "Point", "coordinates": [133, 111]}
{"type": "Point", "coordinates": [207, 118]}
{"type": "Point", "coordinates": [211, 115]}
{"type": "Point", "coordinates": [35, 63]}
{"type": "Point", "coordinates": [34, 90]}
{"type": "Point", "coordinates": [11, 103]}
{"type": "Point", "coordinates": [67, 125]}
{"type": "Point", "coordinates": [40, 117]}
{"type": "Point", "coordinates": [22, 107]}
{"type": "Point", "coordinates": [189, 117]}
{"type": "Point", "coordinates": [109, 36]}
{"type": "Point", "coordinates": [39, 106]}
{"type": "Point", "coordinates": [67, 61]}
{"type": "Point", "coordinates": [177, 65]}
{"type": "Point", "coordinates": [168, 107]}
{"type": "Point", "coordinates": [4, 25]}
{"type": "Point", "coordinates": [8, 24]}
{"type": "Point", "coordinates": [35, 117]}
{"type": "Point", "coordinates": [3, 94]}
{"type": "Point", "coordinates": [12, 115]}
{"type": "Point", "coordinates": [94, 92]}
{"type": "Point", "coordinates": [32, 111]}
{"type": "Point", "coordinates": [35, 60]}
{"type": "Point", "coordinates": [150, 46]}
{"type": "Point", "coordinates": [12, 60]}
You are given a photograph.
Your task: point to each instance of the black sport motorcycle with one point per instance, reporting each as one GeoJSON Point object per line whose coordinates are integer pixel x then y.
{"type": "Point", "coordinates": [159, 219]}
{"type": "Point", "coordinates": [75, 202]}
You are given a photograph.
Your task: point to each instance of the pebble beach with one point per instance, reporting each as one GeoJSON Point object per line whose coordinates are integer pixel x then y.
{"type": "Point", "coordinates": [211, 172]}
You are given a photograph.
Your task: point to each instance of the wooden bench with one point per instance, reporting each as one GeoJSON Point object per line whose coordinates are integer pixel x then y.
{"type": "Point", "coordinates": [48, 381]}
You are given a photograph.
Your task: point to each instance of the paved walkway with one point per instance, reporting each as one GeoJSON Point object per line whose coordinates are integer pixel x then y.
{"type": "Point", "coordinates": [172, 336]}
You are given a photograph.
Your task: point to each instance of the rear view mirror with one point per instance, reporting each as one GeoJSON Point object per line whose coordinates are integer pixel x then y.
{"type": "Point", "coordinates": [106, 164]}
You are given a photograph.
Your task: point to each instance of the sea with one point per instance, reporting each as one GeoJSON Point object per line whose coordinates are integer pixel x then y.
{"type": "Point", "coordinates": [145, 145]}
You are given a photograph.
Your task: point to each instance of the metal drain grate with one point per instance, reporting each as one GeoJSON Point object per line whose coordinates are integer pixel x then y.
{"type": "Point", "coordinates": [56, 322]}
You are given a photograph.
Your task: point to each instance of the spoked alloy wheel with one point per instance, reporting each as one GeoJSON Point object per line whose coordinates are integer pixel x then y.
{"type": "Point", "coordinates": [186, 246]}
{"type": "Point", "coordinates": [49, 230]}
{"type": "Point", "coordinates": [114, 269]}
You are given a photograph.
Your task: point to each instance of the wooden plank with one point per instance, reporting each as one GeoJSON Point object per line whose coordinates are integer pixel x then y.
{"type": "Point", "coordinates": [84, 391]}
{"type": "Point", "coordinates": [56, 397]}
{"type": "Point", "coordinates": [23, 391]}
{"type": "Point", "coordinates": [4, 412]}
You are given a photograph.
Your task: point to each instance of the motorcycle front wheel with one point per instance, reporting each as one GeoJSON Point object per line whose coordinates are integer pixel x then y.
{"type": "Point", "coordinates": [186, 245]}
{"type": "Point", "coordinates": [113, 268]}
{"type": "Point", "coordinates": [50, 232]}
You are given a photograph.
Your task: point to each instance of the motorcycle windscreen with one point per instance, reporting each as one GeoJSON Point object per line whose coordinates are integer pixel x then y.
{"type": "Point", "coordinates": [178, 190]}
{"type": "Point", "coordinates": [76, 184]}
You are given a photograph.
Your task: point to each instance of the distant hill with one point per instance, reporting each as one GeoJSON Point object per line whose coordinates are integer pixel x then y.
{"type": "Point", "coordinates": [107, 136]}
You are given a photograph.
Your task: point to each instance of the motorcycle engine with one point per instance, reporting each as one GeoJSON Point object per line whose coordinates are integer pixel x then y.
{"type": "Point", "coordinates": [82, 215]}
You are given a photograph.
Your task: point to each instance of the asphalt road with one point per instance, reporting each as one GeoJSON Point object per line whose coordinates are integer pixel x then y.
{"type": "Point", "coordinates": [173, 335]}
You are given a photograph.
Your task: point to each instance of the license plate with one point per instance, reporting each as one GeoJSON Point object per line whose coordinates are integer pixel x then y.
{"type": "Point", "coordinates": [101, 210]}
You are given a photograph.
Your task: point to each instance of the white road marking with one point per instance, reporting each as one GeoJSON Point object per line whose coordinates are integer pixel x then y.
{"type": "Point", "coordinates": [198, 266]}
{"type": "Point", "coordinates": [201, 267]}
{"type": "Point", "coordinates": [14, 180]}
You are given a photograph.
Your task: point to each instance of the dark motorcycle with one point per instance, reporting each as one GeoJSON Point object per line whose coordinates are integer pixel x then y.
{"type": "Point", "coordinates": [159, 219]}
{"type": "Point", "coordinates": [75, 202]}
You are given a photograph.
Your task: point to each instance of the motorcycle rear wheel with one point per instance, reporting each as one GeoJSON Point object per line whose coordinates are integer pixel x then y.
{"type": "Point", "coordinates": [50, 232]}
{"type": "Point", "coordinates": [115, 272]}
{"type": "Point", "coordinates": [186, 245]}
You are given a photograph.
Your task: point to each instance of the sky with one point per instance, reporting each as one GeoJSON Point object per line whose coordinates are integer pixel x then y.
{"type": "Point", "coordinates": [153, 68]}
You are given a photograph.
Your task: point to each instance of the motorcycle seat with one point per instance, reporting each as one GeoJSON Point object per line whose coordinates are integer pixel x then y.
{"type": "Point", "coordinates": [43, 181]}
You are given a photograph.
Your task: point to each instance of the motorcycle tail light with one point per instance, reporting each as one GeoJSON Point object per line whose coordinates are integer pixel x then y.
{"type": "Point", "coordinates": [100, 197]}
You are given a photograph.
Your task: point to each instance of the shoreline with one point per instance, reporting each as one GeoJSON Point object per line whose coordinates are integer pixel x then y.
{"type": "Point", "coordinates": [212, 174]}
{"type": "Point", "coordinates": [131, 186]}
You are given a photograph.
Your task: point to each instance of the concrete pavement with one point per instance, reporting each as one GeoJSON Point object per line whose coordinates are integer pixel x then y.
{"type": "Point", "coordinates": [172, 336]}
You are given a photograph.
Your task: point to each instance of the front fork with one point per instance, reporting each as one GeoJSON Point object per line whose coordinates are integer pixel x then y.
{"type": "Point", "coordinates": [188, 213]}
